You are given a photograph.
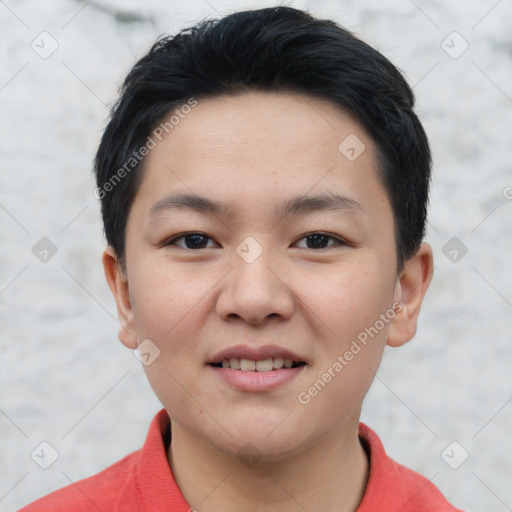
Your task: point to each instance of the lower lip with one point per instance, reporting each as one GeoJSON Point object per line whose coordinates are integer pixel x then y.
{"type": "Point", "coordinates": [257, 381]}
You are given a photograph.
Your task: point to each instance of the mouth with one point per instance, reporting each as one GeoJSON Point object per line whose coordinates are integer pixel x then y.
{"type": "Point", "coordinates": [262, 365]}
{"type": "Point", "coordinates": [265, 358]}
{"type": "Point", "coordinates": [256, 369]}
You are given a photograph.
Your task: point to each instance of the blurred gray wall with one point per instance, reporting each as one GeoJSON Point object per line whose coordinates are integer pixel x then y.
{"type": "Point", "coordinates": [65, 378]}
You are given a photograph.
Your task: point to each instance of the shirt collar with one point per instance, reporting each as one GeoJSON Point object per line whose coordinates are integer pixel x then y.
{"type": "Point", "coordinates": [159, 488]}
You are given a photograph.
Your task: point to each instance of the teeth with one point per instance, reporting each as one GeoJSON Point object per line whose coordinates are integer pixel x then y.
{"type": "Point", "coordinates": [247, 365]}
{"type": "Point", "coordinates": [265, 365]}
{"type": "Point", "coordinates": [278, 363]}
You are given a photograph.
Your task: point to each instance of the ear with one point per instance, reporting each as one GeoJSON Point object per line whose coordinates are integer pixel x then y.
{"type": "Point", "coordinates": [410, 289]}
{"type": "Point", "coordinates": [118, 283]}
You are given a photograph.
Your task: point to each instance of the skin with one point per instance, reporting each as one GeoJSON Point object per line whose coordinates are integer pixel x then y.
{"type": "Point", "coordinates": [253, 152]}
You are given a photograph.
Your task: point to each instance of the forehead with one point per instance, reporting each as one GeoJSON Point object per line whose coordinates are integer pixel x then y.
{"type": "Point", "coordinates": [269, 125]}
{"type": "Point", "coordinates": [259, 145]}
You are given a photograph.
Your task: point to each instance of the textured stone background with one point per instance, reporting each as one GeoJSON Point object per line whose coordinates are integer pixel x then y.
{"type": "Point", "coordinates": [65, 378]}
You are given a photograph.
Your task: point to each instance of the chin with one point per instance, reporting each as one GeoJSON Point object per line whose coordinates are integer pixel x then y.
{"type": "Point", "coordinates": [251, 451]}
{"type": "Point", "coordinates": [265, 441]}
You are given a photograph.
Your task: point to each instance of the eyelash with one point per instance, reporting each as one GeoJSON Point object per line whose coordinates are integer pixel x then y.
{"type": "Point", "coordinates": [338, 241]}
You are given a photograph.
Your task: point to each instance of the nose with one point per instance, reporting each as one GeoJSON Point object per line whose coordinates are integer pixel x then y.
{"type": "Point", "coordinates": [254, 292]}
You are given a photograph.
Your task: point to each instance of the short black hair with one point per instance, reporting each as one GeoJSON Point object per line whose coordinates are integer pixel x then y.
{"type": "Point", "coordinates": [272, 49]}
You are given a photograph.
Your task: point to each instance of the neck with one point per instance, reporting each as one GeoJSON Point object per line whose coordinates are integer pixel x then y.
{"type": "Point", "coordinates": [329, 476]}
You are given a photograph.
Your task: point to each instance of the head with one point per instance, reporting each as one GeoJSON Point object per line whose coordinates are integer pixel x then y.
{"type": "Point", "coordinates": [264, 184]}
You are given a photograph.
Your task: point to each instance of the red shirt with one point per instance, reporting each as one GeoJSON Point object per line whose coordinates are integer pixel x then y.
{"type": "Point", "coordinates": [143, 482]}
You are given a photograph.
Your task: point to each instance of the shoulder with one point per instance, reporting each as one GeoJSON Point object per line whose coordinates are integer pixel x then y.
{"type": "Point", "coordinates": [395, 486]}
{"type": "Point", "coordinates": [419, 493]}
{"type": "Point", "coordinates": [98, 492]}
{"type": "Point", "coordinates": [135, 483]}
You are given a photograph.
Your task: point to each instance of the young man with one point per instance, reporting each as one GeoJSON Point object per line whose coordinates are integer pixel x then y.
{"type": "Point", "coordinates": [263, 182]}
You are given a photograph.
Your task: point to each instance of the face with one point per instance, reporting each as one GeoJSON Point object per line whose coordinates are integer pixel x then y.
{"type": "Point", "coordinates": [256, 240]}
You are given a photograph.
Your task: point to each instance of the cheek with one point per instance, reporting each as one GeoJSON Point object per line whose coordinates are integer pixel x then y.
{"type": "Point", "coordinates": [351, 303]}
{"type": "Point", "coordinates": [166, 302]}
{"type": "Point", "coordinates": [169, 308]}
{"type": "Point", "coordinates": [348, 299]}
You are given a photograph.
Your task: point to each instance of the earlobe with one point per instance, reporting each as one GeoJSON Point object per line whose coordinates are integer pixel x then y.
{"type": "Point", "coordinates": [410, 290]}
{"type": "Point", "coordinates": [118, 284]}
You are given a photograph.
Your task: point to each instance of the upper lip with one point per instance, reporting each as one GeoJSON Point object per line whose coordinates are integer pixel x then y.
{"type": "Point", "coordinates": [255, 353]}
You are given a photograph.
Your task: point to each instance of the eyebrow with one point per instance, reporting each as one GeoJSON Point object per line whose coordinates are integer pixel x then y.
{"type": "Point", "coordinates": [295, 205]}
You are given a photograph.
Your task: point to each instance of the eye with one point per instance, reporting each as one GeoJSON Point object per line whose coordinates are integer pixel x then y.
{"type": "Point", "coordinates": [319, 241]}
{"type": "Point", "coordinates": [191, 241]}
{"type": "Point", "coordinates": [196, 241]}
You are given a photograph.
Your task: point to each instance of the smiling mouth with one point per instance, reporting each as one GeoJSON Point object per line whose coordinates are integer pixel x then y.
{"type": "Point", "coordinates": [264, 365]}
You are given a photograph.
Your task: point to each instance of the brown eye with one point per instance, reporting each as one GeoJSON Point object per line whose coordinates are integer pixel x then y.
{"type": "Point", "coordinates": [191, 241]}
{"type": "Point", "coordinates": [319, 241]}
